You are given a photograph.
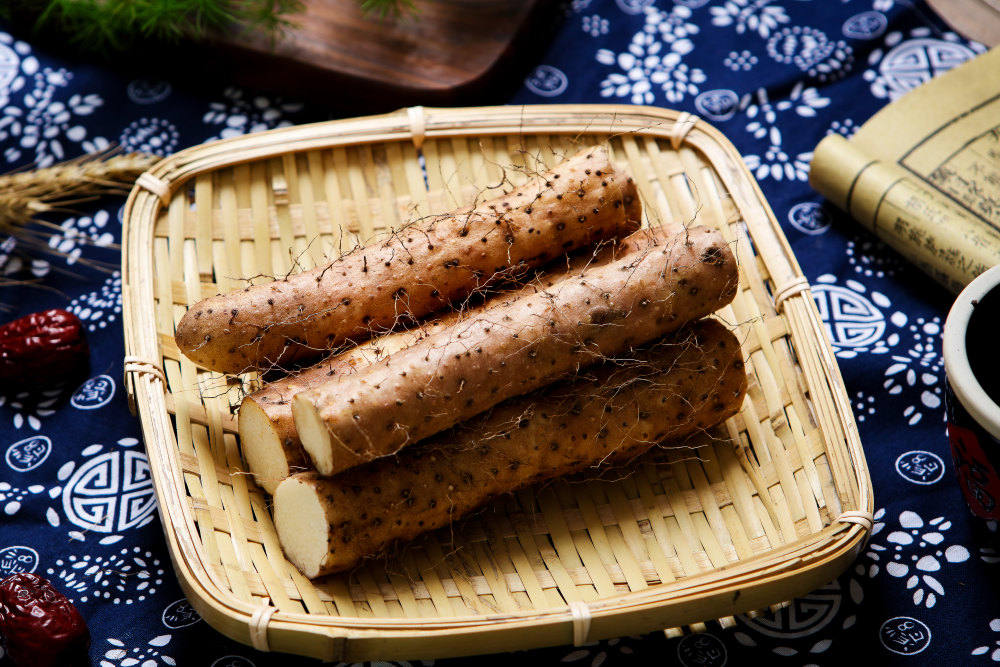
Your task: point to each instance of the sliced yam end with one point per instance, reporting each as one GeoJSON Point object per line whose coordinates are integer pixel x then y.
{"type": "Point", "coordinates": [303, 529]}
{"type": "Point", "coordinates": [313, 433]}
{"type": "Point", "coordinates": [262, 447]}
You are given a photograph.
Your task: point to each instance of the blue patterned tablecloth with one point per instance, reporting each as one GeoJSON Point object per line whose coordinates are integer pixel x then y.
{"type": "Point", "coordinates": [776, 76]}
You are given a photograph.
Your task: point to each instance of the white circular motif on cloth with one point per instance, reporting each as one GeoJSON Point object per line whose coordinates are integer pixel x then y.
{"type": "Point", "coordinates": [17, 559]}
{"type": "Point", "coordinates": [920, 467]}
{"type": "Point", "coordinates": [866, 25]}
{"type": "Point", "coordinates": [909, 63]}
{"type": "Point", "coordinates": [106, 493]}
{"type": "Point", "coordinates": [147, 91]}
{"type": "Point", "coordinates": [94, 393]}
{"type": "Point", "coordinates": [851, 319]}
{"type": "Point", "coordinates": [637, 6]}
{"type": "Point", "coordinates": [809, 218]}
{"type": "Point", "coordinates": [110, 492]}
{"type": "Point", "coordinates": [918, 61]}
{"type": "Point", "coordinates": [28, 454]}
{"type": "Point", "coordinates": [701, 650]}
{"type": "Point", "coordinates": [10, 65]}
{"type": "Point", "coordinates": [804, 616]}
{"type": "Point", "coordinates": [547, 81]}
{"type": "Point", "coordinates": [718, 104]}
{"type": "Point", "coordinates": [233, 661]}
{"type": "Point", "coordinates": [905, 635]}
{"type": "Point", "coordinates": [179, 614]}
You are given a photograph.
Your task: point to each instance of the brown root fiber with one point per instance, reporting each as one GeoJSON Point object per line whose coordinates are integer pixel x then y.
{"type": "Point", "coordinates": [414, 271]}
{"type": "Point", "coordinates": [655, 282]}
{"type": "Point", "coordinates": [616, 411]}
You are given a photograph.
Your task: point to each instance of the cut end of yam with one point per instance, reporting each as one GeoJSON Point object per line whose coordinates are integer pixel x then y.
{"type": "Point", "coordinates": [313, 433]}
{"type": "Point", "coordinates": [302, 526]}
{"type": "Point", "coordinates": [262, 446]}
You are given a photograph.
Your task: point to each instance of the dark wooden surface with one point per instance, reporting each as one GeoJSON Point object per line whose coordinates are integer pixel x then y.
{"type": "Point", "coordinates": [976, 19]}
{"type": "Point", "coordinates": [443, 52]}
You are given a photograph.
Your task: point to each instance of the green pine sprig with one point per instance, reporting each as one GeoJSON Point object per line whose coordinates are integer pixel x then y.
{"type": "Point", "coordinates": [116, 25]}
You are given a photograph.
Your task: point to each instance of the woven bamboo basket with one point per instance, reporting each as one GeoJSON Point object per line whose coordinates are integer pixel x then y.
{"type": "Point", "coordinates": [778, 505]}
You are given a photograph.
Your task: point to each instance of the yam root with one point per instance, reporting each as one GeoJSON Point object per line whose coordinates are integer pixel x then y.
{"type": "Point", "coordinates": [268, 437]}
{"type": "Point", "coordinates": [615, 410]}
{"type": "Point", "coordinates": [414, 271]}
{"type": "Point", "coordinates": [659, 281]}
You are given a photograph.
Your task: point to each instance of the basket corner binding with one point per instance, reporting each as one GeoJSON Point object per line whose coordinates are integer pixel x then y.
{"type": "Point", "coordinates": [819, 476]}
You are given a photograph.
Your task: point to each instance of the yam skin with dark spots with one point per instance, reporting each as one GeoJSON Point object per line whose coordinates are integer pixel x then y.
{"type": "Point", "coordinates": [415, 271]}
{"type": "Point", "coordinates": [658, 280]}
{"type": "Point", "coordinates": [615, 411]}
{"type": "Point", "coordinates": [268, 439]}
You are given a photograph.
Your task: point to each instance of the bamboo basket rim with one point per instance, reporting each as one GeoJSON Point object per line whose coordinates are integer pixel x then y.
{"type": "Point", "coordinates": [825, 550]}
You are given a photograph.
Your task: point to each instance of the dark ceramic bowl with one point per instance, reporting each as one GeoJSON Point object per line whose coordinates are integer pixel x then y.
{"type": "Point", "coordinates": [973, 417]}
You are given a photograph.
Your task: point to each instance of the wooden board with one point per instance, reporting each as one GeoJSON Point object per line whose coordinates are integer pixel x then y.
{"type": "Point", "coordinates": [443, 52]}
{"type": "Point", "coordinates": [975, 19]}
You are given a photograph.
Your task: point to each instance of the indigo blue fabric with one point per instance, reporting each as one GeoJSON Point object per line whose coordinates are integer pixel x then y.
{"type": "Point", "coordinates": [775, 76]}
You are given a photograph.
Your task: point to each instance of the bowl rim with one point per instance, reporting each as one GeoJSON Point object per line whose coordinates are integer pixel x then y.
{"type": "Point", "coordinates": [958, 370]}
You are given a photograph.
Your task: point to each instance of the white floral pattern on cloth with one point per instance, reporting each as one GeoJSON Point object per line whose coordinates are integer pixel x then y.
{"type": "Point", "coordinates": [845, 128]}
{"type": "Point", "coordinates": [654, 60]}
{"type": "Point", "coordinates": [595, 654]}
{"type": "Point", "coordinates": [76, 233]}
{"type": "Point", "coordinates": [740, 61]}
{"type": "Point", "coordinates": [855, 320]}
{"type": "Point", "coordinates": [101, 307]}
{"type": "Point", "coordinates": [902, 63]}
{"type": "Point", "coordinates": [912, 551]}
{"type": "Point", "coordinates": [595, 25]}
{"type": "Point", "coordinates": [107, 491]}
{"type": "Point", "coordinates": [127, 577]}
{"type": "Point", "coordinates": [870, 257]}
{"type": "Point", "coordinates": [242, 113]}
{"type": "Point", "coordinates": [993, 648]}
{"type": "Point", "coordinates": [11, 264]}
{"type": "Point", "coordinates": [40, 123]}
{"type": "Point", "coordinates": [151, 654]}
{"type": "Point", "coordinates": [919, 369]}
{"type": "Point", "coordinates": [759, 16]}
{"type": "Point", "coordinates": [762, 116]}
{"type": "Point", "coordinates": [809, 624]}
{"type": "Point", "coordinates": [811, 51]}
{"type": "Point", "coordinates": [864, 405]}
{"type": "Point", "coordinates": [29, 408]}
{"type": "Point", "coordinates": [150, 135]}
{"type": "Point", "coordinates": [12, 496]}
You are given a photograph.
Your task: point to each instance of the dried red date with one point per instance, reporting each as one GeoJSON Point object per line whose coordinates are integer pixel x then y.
{"type": "Point", "coordinates": [41, 349]}
{"type": "Point", "coordinates": [39, 626]}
